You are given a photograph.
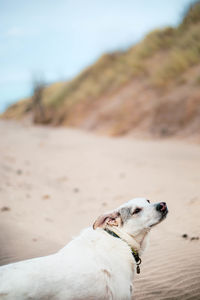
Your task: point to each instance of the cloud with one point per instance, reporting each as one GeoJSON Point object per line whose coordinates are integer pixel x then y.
{"type": "Point", "coordinates": [15, 32]}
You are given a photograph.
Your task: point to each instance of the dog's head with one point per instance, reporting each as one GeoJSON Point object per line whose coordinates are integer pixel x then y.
{"type": "Point", "coordinates": [135, 216]}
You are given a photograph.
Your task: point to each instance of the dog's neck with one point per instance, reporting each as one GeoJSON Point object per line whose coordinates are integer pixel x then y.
{"type": "Point", "coordinates": [134, 243]}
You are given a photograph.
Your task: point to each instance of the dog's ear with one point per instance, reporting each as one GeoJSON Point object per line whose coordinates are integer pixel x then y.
{"type": "Point", "coordinates": [112, 219]}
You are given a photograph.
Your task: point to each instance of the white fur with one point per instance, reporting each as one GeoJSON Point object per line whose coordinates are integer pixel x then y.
{"type": "Point", "coordinates": [95, 265]}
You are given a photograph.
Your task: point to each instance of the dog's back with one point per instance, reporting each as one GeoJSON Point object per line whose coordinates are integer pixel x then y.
{"type": "Point", "coordinates": [87, 268]}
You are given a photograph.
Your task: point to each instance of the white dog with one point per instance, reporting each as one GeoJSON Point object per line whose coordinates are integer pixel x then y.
{"type": "Point", "coordinates": [98, 264]}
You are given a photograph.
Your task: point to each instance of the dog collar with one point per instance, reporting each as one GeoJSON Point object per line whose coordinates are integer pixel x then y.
{"type": "Point", "coordinates": [134, 253]}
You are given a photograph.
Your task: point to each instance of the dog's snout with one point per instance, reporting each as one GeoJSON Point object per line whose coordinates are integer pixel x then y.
{"type": "Point", "coordinates": [162, 207]}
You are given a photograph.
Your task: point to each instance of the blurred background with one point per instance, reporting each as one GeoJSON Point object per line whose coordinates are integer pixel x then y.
{"type": "Point", "coordinates": [90, 64]}
{"type": "Point", "coordinates": [100, 103]}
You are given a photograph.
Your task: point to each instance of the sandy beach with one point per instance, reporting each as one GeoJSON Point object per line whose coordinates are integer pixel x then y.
{"type": "Point", "coordinates": [56, 181]}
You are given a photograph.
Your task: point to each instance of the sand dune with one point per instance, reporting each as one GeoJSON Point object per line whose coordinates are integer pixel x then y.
{"type": "Point", "coordinates": [54, 182]}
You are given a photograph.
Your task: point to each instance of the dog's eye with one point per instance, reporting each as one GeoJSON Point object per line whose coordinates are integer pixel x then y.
{"type": "Point", "coordinates": [148, 201]}
{"type": "Point", "coordinates": [137, 210]}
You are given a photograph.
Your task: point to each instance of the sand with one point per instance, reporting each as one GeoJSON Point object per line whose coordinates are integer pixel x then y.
{"type": "Point", "coordinates": [54, 182]}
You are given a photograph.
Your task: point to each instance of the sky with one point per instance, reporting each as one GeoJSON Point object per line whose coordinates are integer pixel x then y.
{"type": "Point", "coordinates": [55, 40]}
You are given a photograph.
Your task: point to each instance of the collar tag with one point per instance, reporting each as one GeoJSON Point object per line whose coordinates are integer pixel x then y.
{"type": "Point", "coordinates": [138, 269]}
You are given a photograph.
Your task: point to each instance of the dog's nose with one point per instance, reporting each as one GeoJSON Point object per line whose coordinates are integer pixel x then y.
{"type": "Point", "coordinates": [162, 207]}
